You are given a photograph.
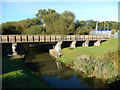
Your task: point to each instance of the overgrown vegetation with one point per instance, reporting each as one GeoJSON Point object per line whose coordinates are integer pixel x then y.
{"type": "Point", "coordinates": [100, 62]}
{"type": "Point", "coordinates": [51, 22]}
{"type": "Point", "coordinates": [102, 68]}
{"type": "Point", "coordinates": [16, 75]}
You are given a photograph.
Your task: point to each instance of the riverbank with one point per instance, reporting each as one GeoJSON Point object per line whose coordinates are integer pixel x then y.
{"type": "Point", "coordinates": [16, 75]}
{"type": "Point", "coordinates": [99, 62]}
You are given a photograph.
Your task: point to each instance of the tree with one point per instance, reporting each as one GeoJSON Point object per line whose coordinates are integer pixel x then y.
{"type": "Point", "coordinates": [59, 23]}
{"type": "Point", "coordinates": [114, 25]}
{"type": "Point", "coordinates": [35, 29]}
{"type": "Point", "coordinates": [66, 23]}
{"type": "Point", "coordinates": [83, 30]}
{"type": "Point", "coordinates": [43, 12]}
{"type": "Point", "coordinates": [11, 28]}
{"type": "Point", "coordinates": [93, 24]}
{"type": "Point", "coordinates": [50, 21]}
{"type": "Point", "coordinates": [29, 22]}
{"type": "Point", "coordinates": [84, 27]}
{"type": "Point", "coordinates": [101, 25]}
{"type": "Point", "coordinates": [33, 21]}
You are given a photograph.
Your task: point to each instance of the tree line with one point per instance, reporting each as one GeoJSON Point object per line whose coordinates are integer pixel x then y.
{"type": "Point", "coordinates": [51, 22]}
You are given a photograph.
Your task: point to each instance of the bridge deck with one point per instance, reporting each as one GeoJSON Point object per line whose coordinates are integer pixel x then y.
{"type": "Point", "coordinates": [49, 38]}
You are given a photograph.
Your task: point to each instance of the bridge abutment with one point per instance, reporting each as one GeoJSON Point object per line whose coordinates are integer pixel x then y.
{"type": "Point", "coordinates": [73, 44]}
{"type": "Point", "coordinates": [14, 46]}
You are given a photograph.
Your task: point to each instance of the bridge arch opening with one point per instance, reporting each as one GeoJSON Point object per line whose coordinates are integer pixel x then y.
{"type": "Point", "coordinates": [65, 44]}
{"type": "Point", "coordinates": [79, 43]}
{"type": "Point", "coordinates": [91, 43]}
{"type": "Point", "coordinates": [103, 41]}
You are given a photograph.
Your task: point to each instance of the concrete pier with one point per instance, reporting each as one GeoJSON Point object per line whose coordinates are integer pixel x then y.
{"type": "Point", "coordinates": [14, 46]}
{"type": "Point", "coordinates": [58, 46]}
{"type": "Point", "coordinates": [97, 43]}
{"type": "Point", "coordinates": [73, 44]}
{"type": "Point", "coordinates": [86, 43]}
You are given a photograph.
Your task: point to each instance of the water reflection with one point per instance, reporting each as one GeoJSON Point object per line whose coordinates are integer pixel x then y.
{"type": "Point", "coordinates": [55, 73]}
{"type": "Point", "coordinates": [61, 83]}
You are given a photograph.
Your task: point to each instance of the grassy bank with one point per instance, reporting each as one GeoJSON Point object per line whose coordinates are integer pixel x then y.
{"type": "Point", "coordinates": [16, 75]}
{"type": "Point", "coordinates": [69, 54]}
{"type": "Point", "coordinates": [96, 61]}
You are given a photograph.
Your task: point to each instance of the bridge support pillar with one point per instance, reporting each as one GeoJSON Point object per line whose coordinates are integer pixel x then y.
{"type": "Point", "coordinates": [73, 44]}
{"type": "Point", "coordinates": [86, 43]}
{"type": "Point", "coordinates": [58, 46]}
{"type": "Point", "coordinates": [97, 43]}
{"type": "Point", "coordinates": [14, 46]}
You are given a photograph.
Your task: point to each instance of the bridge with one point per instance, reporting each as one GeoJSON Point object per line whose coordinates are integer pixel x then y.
{"type": "Point", "coordinates": [14, 39]}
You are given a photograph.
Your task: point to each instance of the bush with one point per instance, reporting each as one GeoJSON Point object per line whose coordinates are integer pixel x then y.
{"type": "Point", "coordinates": [102, 68]}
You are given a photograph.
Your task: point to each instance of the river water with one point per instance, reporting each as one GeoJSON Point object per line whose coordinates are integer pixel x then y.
{"type": "Point", "coordinates": [55, 73]}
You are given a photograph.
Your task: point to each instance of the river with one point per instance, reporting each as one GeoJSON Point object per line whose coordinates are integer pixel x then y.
{"type": "Point", "coordinates": [55, 73]}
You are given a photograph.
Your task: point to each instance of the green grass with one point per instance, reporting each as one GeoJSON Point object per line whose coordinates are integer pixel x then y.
{"type": "Point", "coordinates": [69, 55]}
{"type": "Point", "coordinates": [16, 75]}
{"type": "Point", "coordinates": [97, 61]}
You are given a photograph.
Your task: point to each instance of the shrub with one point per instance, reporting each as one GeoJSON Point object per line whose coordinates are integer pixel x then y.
{"type": "Point", "coordinates": [102, 68]}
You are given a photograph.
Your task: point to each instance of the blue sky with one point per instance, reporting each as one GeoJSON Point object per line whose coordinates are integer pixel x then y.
{"type": "Point", "coordinates": [102, 11]}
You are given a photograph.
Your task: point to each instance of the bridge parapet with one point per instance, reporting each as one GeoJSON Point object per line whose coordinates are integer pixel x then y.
{"type": "Point", "coordinates": [49, 38]}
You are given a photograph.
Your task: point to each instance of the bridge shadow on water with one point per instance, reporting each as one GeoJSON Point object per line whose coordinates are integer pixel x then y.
{"type": "Point", "coordinates": [39, 61]}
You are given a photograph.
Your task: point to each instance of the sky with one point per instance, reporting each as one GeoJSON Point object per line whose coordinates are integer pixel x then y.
{"type": "Point", "coordinates": [102, 11]}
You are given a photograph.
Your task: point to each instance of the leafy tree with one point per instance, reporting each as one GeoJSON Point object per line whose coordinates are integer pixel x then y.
{"type": "Point", "coordinates": [59, 24]}
{"type": "Point", "coordinates": [101, 25]}
{"type": "Point", "coordinates": [66, 23]}
{"type": "Point", "coordinates": [11, 28]}
{"type": "Point", "coordinates": [83, 30]}
{"type": "Point", "coordinates": [50, 22]}
{"type": "Point", "coordinates": [43, 12]}
{"type": "Point", "coordinates": [114, 25]}
{"type": "Point", "coordinates": [29, 22]}
{"type": "Point", "coordinates": [84, 27]}
{"type": "Point", "coordinates": [79, 24]}
{"type": "Point", "coordinates": [118, 25]}
{"type": "Point", "coordinates": [93, 24]}
{"type": "Point", "coordinates": [68, 15]}
{"type": "Point", "coordinates": [35, 29]}
{"type": "Point", "coordinates": [33, 21]}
